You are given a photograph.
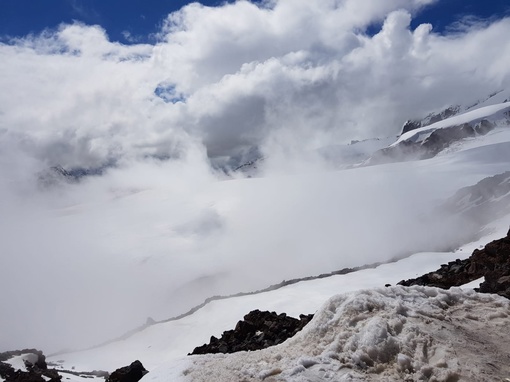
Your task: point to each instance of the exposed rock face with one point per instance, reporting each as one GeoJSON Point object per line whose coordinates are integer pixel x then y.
{"type": "Point", "coordinates": [35, 364]}
{"type": "Point", "coordinates": [410, 125]}
{"type": "Point", "coordinates": [490, 197]}
{"type": "Point", "coordinates": [440, 139]}
{"type": "Point", "coordinates": [258, 330]}
{"type": "Point", "coordinates": [131, 373]}
{"type": "Point", "coordinates": [436, 142]}
{"type": "Point", "coordinates": [58, 174]}
{"type": "Point", "coordinates": [430, 119]}
{"type": "Point", "coordinates": [491, 262]}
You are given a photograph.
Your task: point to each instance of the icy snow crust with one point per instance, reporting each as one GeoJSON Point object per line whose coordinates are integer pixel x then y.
{"type": "Point", "coordinates": [384, 334]}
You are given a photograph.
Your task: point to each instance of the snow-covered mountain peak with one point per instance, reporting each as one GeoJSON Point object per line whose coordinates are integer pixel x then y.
{"type": "Point", "coordinates": [500, 96]}
{"type": "Point", "coordinates": [428, 141]}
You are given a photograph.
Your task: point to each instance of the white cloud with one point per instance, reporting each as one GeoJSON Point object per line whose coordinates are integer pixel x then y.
{"type": "Point", "coordinates": [244, 72]}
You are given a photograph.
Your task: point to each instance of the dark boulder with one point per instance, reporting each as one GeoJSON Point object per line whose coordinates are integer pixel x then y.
{"type": "Point", "coordinates": [258, 330]}
{"type": "Point", "coordinates": [131, 373]}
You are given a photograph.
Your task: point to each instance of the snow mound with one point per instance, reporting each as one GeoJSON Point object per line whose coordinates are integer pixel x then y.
{"type": "Point", "coordinates": [385, 334]}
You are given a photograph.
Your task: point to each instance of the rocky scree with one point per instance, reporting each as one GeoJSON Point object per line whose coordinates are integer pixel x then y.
{"type": "Point", "coordinates": [492, 262]}
{"type": "Point", "coordinates": [258, 330]}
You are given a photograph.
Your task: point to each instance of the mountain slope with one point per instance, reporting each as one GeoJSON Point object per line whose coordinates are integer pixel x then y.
{"type": "Point", "coordinates": [167, 343]}
{"type": "Point", "coordinates": [428, 141]}
{"type": "Point", "coordinates": [495, 98]}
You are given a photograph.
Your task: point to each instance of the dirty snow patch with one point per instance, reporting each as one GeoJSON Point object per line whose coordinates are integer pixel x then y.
{"type": "Point", "coordinates": [384, 334]}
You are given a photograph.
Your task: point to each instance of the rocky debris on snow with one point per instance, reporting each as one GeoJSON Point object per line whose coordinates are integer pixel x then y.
{"type": "Point", "coordinates": [131, 373]}
{"type": "Point", "coordinates": [492, 262]}
{"type": "Point", "coordinates": [28, 365]}
{"type": "Point", "coordinates": [258, 330]}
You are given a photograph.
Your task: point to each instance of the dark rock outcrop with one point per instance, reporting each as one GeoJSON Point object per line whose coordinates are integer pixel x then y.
{"type": "Point", "coordinates": [445, 114]}
{"type": "Point", "coordinates": [437, 141]}
{"type": "Point", "coordinates": [36, 368]}
{"type": "Point", "coordinates": [57, 174]}
{"type": "Point", "coordinates": [411, 125]}
{"type": "Point", "coordinates": [440, 139]}
{"type": "Point", "coordinates": [491, 262]}
{"type": "Point", "coordinates": [131, 373]}
{"type": "Point", "coordinates": [430, 119]}
{"type": "Point", "coordinates": [258, 330]}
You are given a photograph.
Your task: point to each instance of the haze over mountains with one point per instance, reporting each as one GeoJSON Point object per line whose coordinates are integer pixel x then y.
{"type": "Point", "coordinates": [119, 196]}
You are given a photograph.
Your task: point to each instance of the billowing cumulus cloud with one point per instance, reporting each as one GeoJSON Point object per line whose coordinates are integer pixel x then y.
{"type": "Point", "coordinates": [237, 75]}
{"type": "Point", "coordinates": [160, 230]}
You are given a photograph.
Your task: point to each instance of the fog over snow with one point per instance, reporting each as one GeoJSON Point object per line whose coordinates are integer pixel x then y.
{"type": "Point", "coordinates": [160, 230]}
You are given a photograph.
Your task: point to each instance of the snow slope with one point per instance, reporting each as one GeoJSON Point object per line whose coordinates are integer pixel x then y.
{"type": "Point", "coordinates": [168, 247]}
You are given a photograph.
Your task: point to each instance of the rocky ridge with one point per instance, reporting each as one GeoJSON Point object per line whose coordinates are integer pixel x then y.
{"type": "Point", "coordinates": [436, 142]}
{"type": "Point", "coordinates": [492, 262]}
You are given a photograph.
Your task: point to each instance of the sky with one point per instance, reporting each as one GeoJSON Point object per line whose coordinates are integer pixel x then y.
{"type": "Point", "coordinates": [156, 105]}
{"type": "Point", "coordinates": [137, 17]}
{"type": "Point", "coordinates": [136, 20]}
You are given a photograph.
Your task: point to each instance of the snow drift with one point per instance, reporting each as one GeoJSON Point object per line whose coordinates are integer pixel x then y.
{"type": "Point", "coordinates": [384, 334]}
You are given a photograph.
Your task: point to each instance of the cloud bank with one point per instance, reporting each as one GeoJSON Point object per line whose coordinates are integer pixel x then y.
{"type": "Point", "coordinates": [237, 76]}
{"type": "Point", "coordinates": [160, 230]}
